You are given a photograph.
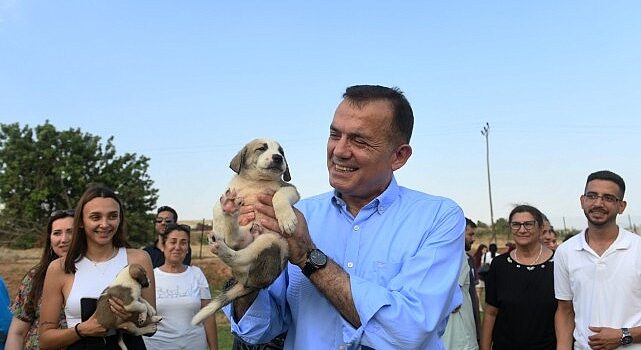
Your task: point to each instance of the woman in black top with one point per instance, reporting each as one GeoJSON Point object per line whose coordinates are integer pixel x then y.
{"type": "Point", "coordinates": [519, 290]}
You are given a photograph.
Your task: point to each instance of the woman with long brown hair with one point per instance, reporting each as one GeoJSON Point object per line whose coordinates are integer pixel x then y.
{"type": "Point", "coordinates": [23, 332]}
{"type": "Point", "coordinates": [99, 250]}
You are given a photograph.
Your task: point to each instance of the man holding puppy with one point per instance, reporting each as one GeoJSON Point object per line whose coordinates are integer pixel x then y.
{"type": "Point", "coordinates": [372, 264]}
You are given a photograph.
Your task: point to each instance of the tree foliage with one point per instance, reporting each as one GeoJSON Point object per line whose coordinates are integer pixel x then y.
{"type": "Point", "coordinates": [43, 170]}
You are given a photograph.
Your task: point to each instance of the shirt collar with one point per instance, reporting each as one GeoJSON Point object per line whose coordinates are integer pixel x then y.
{"type": "Point", "coordinates": [380, 203]}
{"type": "Point", "coordinates": [623, 241]}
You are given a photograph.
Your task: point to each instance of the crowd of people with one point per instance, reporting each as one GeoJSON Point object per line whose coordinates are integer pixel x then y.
{"type": "Point", "coordinates": [372, 265]}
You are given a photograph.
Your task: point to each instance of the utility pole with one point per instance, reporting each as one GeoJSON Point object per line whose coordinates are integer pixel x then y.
{"type": "Point", "coordinates": [486, 132]}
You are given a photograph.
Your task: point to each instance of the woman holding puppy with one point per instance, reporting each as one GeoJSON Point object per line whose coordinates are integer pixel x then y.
{"type": "Point", "coordinates": [181, 292]}
{"type": "Point", "coordinates": [97, 253]}
{"type": "Point", "coordinates": [23, 332]}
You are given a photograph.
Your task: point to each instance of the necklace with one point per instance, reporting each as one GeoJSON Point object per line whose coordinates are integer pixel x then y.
{"type": "Point", "coordinates": [531, 267]}
{"type": "Point", "coordinates": [95, 263]}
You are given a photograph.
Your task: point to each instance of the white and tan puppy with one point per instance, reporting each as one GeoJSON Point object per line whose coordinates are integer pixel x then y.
{"type": "Point", "coordinates": [127, 287]}
{"type": "Point", "coordinates": [255, 254]}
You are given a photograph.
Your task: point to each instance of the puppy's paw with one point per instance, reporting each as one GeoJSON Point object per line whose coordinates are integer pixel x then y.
{"type": "Point", "coordinates": [214, 247]}
{"type": "Point", "coordinates": [286, 219]}
{"type": "Point", "coordinates": [230, 202]}
{"type": "Point", "coordinates": [149, 329]}
{"type": "Point", "coordinates": [256, 229]}
{"type": "Point", "coordinates": [142, 317]}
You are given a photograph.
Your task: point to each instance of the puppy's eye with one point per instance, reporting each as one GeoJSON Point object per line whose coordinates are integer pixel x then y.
{"type": "Point", "coordinates": [262, 148]}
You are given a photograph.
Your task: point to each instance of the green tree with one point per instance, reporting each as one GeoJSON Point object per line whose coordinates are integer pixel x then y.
{"type": "Point", "coordinates": [43, 170]}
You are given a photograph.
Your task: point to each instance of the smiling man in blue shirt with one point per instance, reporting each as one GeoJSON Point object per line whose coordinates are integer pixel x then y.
{"type": "Point", "coordinates": [372, 264]}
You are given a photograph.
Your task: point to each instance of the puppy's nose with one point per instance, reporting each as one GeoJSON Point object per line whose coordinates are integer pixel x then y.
{"type": "Point", "coordinates": [277, 158]}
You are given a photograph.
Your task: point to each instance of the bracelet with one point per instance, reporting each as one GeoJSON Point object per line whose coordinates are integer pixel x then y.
{"type": "Point", "coordinates": [77, 331]}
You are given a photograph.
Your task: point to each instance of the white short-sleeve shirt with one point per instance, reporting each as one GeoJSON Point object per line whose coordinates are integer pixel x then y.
{"type": "Point", "coordinates": [605, 290]}
{"type": "Point", "coordinates": [178, 299]}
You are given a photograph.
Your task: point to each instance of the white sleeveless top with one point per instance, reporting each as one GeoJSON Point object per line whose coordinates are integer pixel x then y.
{"type": "Point", "coordinates": [90, 280]}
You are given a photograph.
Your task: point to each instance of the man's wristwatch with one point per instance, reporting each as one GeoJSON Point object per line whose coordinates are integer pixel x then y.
{"type": "Point", "coordinates": [316, 260]}
{"type": "Point", "coordinates": [626, 338]}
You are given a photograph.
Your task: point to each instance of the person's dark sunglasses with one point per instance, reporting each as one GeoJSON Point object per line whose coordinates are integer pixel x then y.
{"type": "Point", "coordinates": [166, 221]}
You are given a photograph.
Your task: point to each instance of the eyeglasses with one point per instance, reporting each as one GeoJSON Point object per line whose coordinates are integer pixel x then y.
{"type": "Point", "coordinates": [66, 212]}
{"type": "Point", "coordinates": [173, 227]}
{"type": "Point", "coordinates": [165, 220]}
{"type": "Point", "coordinates": [608, 198]}
{"type": "Point", "coordinates": [528, 225]}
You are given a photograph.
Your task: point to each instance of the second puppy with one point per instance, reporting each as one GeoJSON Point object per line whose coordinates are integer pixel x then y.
{"type": "Point", "coordinates": [127, 286]}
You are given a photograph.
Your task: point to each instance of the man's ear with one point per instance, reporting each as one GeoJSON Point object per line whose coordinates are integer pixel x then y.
{"type": "Point", "coordinates": [400, 156]}
{"type": "Point", "coordinates": [238, 160]}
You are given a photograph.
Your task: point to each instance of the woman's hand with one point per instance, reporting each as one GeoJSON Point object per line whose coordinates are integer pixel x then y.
{"type": "Point", "coordinates": [118, 308]}
{"type": "Point", "coordinates": [91, 328]}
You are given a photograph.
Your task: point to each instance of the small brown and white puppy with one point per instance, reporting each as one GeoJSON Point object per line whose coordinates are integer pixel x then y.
{"type": "Point", "coordinates": [127, 286]}
{"type": "Point", "coordinates": [255, 254]}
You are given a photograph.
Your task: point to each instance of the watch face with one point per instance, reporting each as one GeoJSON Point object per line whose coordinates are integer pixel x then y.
{"type": "Point", "coordinates": [317, 257]}
{"type": "Point", "coordinates": [626, 340]}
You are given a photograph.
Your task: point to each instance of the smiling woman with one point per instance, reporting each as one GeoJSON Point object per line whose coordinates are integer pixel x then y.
{"type": "Point", "coordinates": [519, 289]}
{"type": "Point", "coordinates": [98, 251]}
{"type": "Point", "coordinates": [23, 332]}
{"type": "Point", "coordinates": [181, 291]}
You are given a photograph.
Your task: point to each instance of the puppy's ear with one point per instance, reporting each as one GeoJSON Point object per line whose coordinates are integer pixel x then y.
{"type": "Point", "coordinates": [238, 160]}
{"type": "Point", "coordinates": [287, 176]}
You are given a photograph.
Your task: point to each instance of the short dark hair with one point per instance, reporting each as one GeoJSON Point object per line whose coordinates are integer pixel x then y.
{"type": "Point", "coordinates": [607, 175]}
{"type": "Point", "coordinates": [169, 209]}
{"type": "Point", "coordinates": [176, 227]}
{"type": "Point", "coordinates": [402, 118]}
{"type": "Point", "coordinates": [469, 222]}
{"type": "Point", "coordinates": [524, 208]}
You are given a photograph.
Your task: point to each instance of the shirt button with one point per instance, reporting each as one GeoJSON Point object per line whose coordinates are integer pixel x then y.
{"type": "Point", "coordinates": [381, 209]}
{"type": "Point", "coordinates": [356, 228]}
{"type": "Point", "coordinates": [350, 264]}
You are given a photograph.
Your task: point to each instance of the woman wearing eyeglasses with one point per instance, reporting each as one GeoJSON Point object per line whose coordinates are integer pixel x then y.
{"type": "Point", "coordinates": [98, 252]}
{"type": "Point", "coordinates": [181, 291]}
{"type": "Point", "coordinates": [519, 290]}
{"type": "Point", "coordinates": [23, 332]}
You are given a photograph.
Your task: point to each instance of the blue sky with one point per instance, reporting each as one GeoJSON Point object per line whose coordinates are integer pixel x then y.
{"type": "Point", "coordinates": [188, 83]}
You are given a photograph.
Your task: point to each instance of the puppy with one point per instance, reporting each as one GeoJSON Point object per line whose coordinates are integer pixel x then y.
{"type": "Point", "coordinates": [255, 254]}
{"type": "Point", "coordinates": [127, 286]}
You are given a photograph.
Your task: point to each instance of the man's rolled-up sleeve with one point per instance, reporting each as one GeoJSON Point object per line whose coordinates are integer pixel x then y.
{"type": "Point", "coordinates": [266, 318]}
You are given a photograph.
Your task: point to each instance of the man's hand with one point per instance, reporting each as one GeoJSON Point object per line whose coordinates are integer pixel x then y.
{"type": "Point", "coordinates": [299, 242]}
{"type": "Point", "coordinates": [605, 338]}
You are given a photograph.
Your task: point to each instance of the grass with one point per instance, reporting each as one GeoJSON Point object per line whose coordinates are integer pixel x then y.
{"type": "Point", "coordinates": [225, 338]}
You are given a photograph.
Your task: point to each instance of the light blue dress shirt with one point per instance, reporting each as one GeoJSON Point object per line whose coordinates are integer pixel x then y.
{"type": "Point", "coordinates": [402, 252]}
